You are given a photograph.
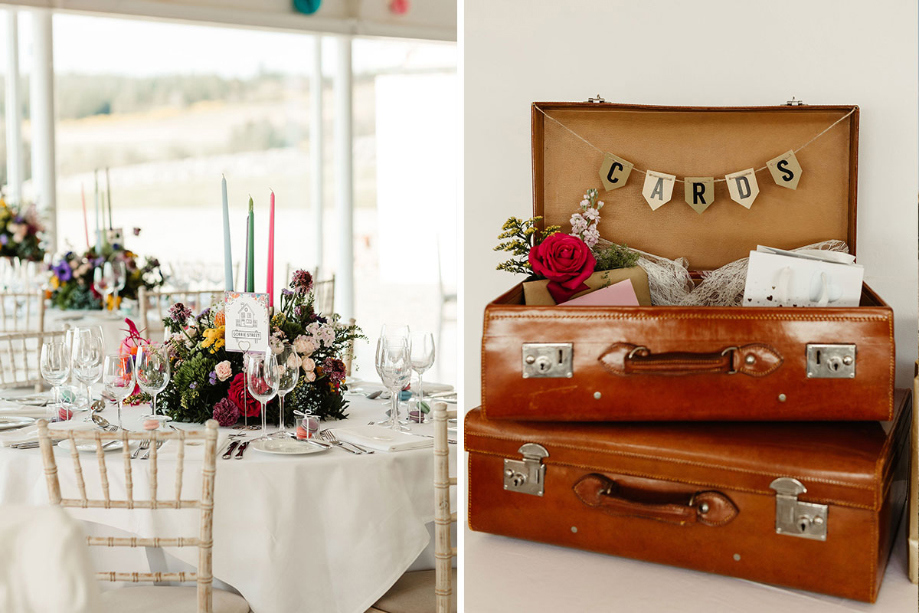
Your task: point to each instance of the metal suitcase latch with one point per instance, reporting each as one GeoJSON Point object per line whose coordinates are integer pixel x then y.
{"type": "Point", "coordinates": [526, 476]}
{"type": "Point", "coordinates": [795, 518]}
{"type": "Point", "coordinates": [547, 360]}
{"type": "Point", "coordinates": [826, 361]}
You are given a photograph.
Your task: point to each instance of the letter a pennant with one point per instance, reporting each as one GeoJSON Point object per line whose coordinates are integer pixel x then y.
{"type": "Point", "coordinates": [743, 187]}
{"type": "Point", "coordinates": [658, 188]}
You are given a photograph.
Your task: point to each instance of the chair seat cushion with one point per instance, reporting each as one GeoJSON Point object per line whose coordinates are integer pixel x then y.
{"type": "Point", "coordinates": [413, 593]}
{"type": "Point", "coordinates": [167, 599]}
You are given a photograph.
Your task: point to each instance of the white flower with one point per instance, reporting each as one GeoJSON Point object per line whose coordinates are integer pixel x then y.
{"type": "Point", "coordinates": [591, 236]}
{"type": "Point", "coordinates": [591, 214]}
{"type": "Point", "coordinates": [305, 345]}
{"type": "Point", "coordinates": [294, 361]}
{"type": "Point", "coordinates": [578, 224]}
{"type": "Point", "coordinates": [308, 365]}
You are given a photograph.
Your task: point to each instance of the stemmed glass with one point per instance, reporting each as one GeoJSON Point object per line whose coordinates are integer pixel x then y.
{"type": "Point", "coordinates": [119, 280]}
{"type": "Point", "coordinates": [422, 359]}
{"type": "Point", "coordinates": [87, 359]}
{"type": "Point", "coordinates": [288, 374]}
{"type": "Point", "coordinates": [394, 363]}
{"type": "Point", "coordinates": [118, 378]}
{"type": "Point", "coordinates": [104, 280]}
{"type": "Point", "coordinates": [262, 380]}
{"type": "Point", "coordinates": [55, 368]}
{"type": "Point", "coordinates": [153, 371]}
{"type": "Point", "coordinates": [394, 332]}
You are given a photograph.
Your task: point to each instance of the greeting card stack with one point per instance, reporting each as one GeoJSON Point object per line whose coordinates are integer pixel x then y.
{"type": "Point", "coordinates": [759, 438]}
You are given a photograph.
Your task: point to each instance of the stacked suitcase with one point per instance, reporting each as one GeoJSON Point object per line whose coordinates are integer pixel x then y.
{"type": "Point", "coordinates": [764, 443]}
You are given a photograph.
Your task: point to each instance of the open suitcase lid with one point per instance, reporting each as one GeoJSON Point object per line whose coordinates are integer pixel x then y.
{"type": "Point", "coordinates": [700, 142]}
{"type": "Point", "coordinates": [844, 463]}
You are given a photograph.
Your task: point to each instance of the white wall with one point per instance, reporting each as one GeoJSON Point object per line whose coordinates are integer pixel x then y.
{"type": "Point", "coordinates": [707, 52]}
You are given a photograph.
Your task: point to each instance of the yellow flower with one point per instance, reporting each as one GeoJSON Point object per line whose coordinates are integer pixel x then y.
{"type": "Point", "coordinates": [111, 304]}
{"type": "Point", "coordinates": [55, 282]}
{"type": "Point", "coordinates": [214, 338]}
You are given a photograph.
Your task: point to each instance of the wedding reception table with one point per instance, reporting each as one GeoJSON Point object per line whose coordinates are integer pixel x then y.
{"type": "Point", "coordinates": [329, 532]}
{"type": "Point", "coordinates": [112, 324]}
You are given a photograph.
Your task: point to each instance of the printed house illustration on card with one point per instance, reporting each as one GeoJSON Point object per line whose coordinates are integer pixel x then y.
{"type": "Point", "coordinates": [247, 322]}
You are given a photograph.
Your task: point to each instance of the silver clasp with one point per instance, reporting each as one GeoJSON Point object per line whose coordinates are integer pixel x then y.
{"type": "Point", "coordinates": [597, 100]}
{"type": "Point", "coordinates": [526, 476]}
{"type": "Point", "coordinates": [795, 518]}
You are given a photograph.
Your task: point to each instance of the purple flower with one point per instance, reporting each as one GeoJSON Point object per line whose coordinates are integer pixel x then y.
{"type": "Point", "coordinates": [63, 271]}
{"type": "Point", "coordinates": [212, 378]}
{"type": "Point", "coordinates": [226, 412]}
{"type": "Point", "coordinates": [203, 314]}
{"type": "Point", "coordinates": [302, 282]}
{"type": "Point", "coordinates": [286, 292]}
{"type": "Point", "coordinates": [193, 385]}
{"type": "Point", "coordinates": [4, 239]}
{"type": "Point", "coordinates": [335, 369]}
{"type": "Point", "coordinates": [298, 311]}
{"type": "Point", "coordinates": [180, 313]}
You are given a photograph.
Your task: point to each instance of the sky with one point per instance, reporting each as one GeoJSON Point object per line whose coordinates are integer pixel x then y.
{"type": "Point", "coordinates": [132, 47]}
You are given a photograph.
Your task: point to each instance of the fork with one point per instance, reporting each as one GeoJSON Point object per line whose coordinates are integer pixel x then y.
{"type": "Point", "coordinates": [146, 456]}
{"type": "Point", "coordinates": [30, 444]}
{"type": "Point", "coordinates": [330, 437]}
{"type": "Point", "coordinates": [327, 436]}
{"type": "Point", "coordinates": [144, 444]}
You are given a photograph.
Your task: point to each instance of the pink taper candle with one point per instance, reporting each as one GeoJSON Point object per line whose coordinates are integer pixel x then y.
{"type": "Point", "coordinates": [271, 252]}
{"type": "Point", "coordinates": [85, 221]}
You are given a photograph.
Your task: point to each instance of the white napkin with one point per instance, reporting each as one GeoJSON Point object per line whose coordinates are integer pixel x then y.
{"type": "Point", "coordinates": [380, 438]}
{"type": "Point", "coordinates": [22, 435]}
{"type": "Point", "coordinates": [431, 387]}
{"type": "Point", "coordinates": [9, 409]}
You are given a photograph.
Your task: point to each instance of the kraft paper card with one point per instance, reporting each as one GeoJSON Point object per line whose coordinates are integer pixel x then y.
{"type": "Point", "coordinates": [743, 187]}
{"type": "Point", "coordinates": [658, 188]}
{"type": "Point", "coordinates": [699, 192]}
{"type": "Point", "coordinates": [776, 278]}
{"type": "Point", "coordinates": [536, 294]}
{"type": "Point", "coordinates": [785, 170]}
{"type": "Point", "coordinates": [614, 172]}
{"type": "Point", "coordinates": [617, 294]}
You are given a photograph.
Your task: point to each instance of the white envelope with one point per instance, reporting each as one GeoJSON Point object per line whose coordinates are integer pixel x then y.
{"type": "Point", "coordinates": [812, 279]}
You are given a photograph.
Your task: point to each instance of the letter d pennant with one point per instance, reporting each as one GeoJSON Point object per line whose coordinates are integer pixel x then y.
{"type": "Point", "coordinates": [743, 187]}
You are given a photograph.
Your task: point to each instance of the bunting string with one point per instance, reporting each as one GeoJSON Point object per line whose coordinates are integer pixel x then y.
{"type": "Point", "coordinates": [721, 180]}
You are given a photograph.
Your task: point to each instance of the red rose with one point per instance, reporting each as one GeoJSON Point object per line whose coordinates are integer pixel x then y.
{"type": "Point", "coordinates": [239, 394]}
{"type": "Point", "coordinates": [566, 261]}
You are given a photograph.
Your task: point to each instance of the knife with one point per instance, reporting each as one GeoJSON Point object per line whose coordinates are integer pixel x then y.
{"type": "Point", "coordinates": [241, 450]}
{"type": "Point", "coordinates": [230, 449]}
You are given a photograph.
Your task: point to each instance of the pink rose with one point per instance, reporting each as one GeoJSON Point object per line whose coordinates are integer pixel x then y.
{"type": "Point", "coordinates": [566, 261]}
{"type": "Point", "coordinates": [224, 370]}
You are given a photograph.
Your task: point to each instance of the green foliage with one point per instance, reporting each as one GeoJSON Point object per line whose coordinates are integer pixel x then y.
{"type": "Point", "coordinates": [615, 256]}
{"type": "Point", "coordinates": [519, 236]}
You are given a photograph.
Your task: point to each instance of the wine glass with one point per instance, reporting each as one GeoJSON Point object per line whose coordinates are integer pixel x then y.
{"type": "Point", "coordinates": [422, 359]}
{"type": "Point", "coordinates": [103, 280]}
{"type": "Point", "coordinates": [394, 362]}
{"type": "Point", "coordinates": [118, 378]}
{"type": "Point", "coordinates": [288, 374]}
{"type": "Point", "coordinates": [153, 371]}
{"type": "Point", "coordinates": [55, 368]}
{"type": "Point", "coordinates": [262, 380]}
{"type": "Point", "coordinates": [119, 279]}
{"type": "Point", "coordinates": [87, 360]}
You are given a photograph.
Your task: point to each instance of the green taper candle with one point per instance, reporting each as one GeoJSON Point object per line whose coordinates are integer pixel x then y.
{"type": "Point", "coordinates": [250, 276]}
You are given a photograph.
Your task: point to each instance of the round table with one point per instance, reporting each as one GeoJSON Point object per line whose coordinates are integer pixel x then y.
{"type": "Point", "coordinates": [327, 532]}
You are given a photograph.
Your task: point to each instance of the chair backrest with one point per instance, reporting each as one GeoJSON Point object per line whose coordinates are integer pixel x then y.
{"type": "Point", "coordinates": [324, 291]}
{"type": "Point", "coordinates": [204, 541]}
{"type": "Point", "coordinates": [20, 358]}
{"type": "Point", "coordinates": [154, 305]}
{"type": "Point", "coordinates": [22, 311]}
{"type": "Point", "coordinates": [444, 552]}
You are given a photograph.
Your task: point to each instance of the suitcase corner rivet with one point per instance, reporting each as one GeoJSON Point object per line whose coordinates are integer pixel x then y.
{"type": "Point", "coordinates": [750, 359]}
{"type": "Point", "coordinates": [782, 397]}
{"type": "Point", "coordinates": [574, 529]}
{"type": "Point", "coordinates": [737, 557]}
{"type": "Point", "coordinates": [597, 395]}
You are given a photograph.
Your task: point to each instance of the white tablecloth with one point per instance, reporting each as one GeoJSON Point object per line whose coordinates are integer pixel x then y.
{"type": "Point", "coordinates": [326, 532]}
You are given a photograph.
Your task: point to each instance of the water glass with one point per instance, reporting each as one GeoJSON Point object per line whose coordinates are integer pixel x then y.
{"type": "Point", "coordinates": [394, 363]}
{"type": "Point", "coordinates": [153, 370]}
{"type": "Point", "coordinates": [422, 359]}
{"type": "Point", "coordinates": [263, 380]}
{"type": "Point", "coordinates": [118, 378]}
{"type": "Point", "coordinates": [55, 368]}
{"type": "Point", "coordinates": [288, 375]}
{"type": "Point", "coordinates": [87, 359]}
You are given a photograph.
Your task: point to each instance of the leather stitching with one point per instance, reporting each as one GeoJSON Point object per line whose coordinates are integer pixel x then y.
{"type": "Point", "coordinates": [731, 317]}
{"type": "Point", "coordinates": [670, 460]}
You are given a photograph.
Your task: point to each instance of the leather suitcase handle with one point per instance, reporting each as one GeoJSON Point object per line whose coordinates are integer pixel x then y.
{"type": "Point", "coordinates": [708, 508]}
{"type": "Point", "coordinates": [754, 360]}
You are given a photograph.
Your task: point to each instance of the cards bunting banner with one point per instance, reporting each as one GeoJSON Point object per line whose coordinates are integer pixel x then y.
{"type": "Point", "coordinates": [699, 192]}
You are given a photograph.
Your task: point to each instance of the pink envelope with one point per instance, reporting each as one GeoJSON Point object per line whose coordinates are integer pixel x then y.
{"type": "Point", "coordinates": [618, 294]}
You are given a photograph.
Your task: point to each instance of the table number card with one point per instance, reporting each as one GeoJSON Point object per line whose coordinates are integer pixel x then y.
{"type": "Point", "coordinates": [246, 322]}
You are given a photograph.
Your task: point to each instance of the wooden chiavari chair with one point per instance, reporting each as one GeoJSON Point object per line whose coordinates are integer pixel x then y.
{"type": "Point", "coordinates": [20, 357]}
{"type": "Point", "coordinates": [22, 311]}
{"type": "Point", "coordinates": [154, 305]}
{"type": "Point", "coordinates": [207, 598]}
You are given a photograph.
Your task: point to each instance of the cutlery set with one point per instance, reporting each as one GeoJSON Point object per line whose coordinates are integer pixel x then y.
{"type": "Point", "coordinates": [329, 437]}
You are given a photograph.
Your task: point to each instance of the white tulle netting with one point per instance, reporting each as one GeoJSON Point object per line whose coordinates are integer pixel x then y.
{"type": "Point", "coordinates": [671, 284]}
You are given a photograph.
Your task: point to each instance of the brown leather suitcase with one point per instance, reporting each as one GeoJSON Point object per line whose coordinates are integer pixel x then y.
{"type": "Point", "coordinates": [813, 506]}
{"type": "Point", "coordinates": [583, 363]}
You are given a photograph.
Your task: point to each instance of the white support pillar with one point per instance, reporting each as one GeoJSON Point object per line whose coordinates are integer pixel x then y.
{"type": "Point", "coordinates": [344, 182]}
{"type": "Point", "coordinates": [316, 147]}
{"type": "Point", "coordinates": [13, 109]}
{"type": "Point", "coordinates": [42, 114]}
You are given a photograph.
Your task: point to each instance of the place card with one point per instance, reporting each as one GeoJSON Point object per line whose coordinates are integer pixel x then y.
{"type": "Point", "coordinates": [246, 322]}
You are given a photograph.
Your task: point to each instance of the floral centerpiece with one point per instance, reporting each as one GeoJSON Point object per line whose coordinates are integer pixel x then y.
{"type": "Point", "coordinates": [209, 382]}
{"type": "Point", "coordinates": [72, 277]}
{"type": "Point", "coordinates": [21, 232]}
{"type": "Point", "coordinates": [566, 264]}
